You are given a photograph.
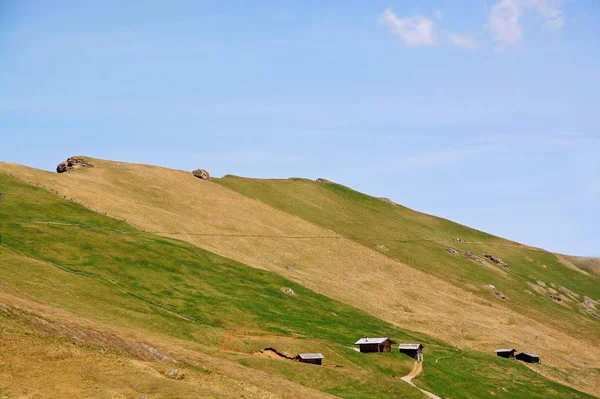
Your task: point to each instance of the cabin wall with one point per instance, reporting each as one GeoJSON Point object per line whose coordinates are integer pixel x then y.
{"type": "Point", "coordinates": [528, 359]}
{"type": "Point", "coordinates": [416, 354]}
{"type": "Point", "coordinates": [318, 362]}
{"type": "Point", "coordinates": [410, 352]}
{"type": "Point", "coordinates": [386, 346]}
{"type": "Point", "coordinates": [369, 348]}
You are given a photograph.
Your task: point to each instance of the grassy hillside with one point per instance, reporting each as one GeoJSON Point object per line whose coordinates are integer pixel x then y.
{"type": "Point", "coordinates": [332, 263]}
{"type": "Point", "coordinates": [94, 294]}
{"type": "Point", "coordinates": [532, 277]}
{"type": "Point", "coordinates": [138, 281]}
{"type": "Point", "coordinates": [421, 241]}
{"type": "Point", "coordinates": [176, 204]}
{"type": "Point", "coordinates": [592, 265]}
{"type": "Point", "coordinates": [36, 365]}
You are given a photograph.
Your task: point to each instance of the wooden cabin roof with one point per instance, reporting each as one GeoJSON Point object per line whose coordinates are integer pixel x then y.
{"type": "Point", "coordinates": [311, 356]}
{"type": "Point", "coordinates": [368, 340]}
{"type": "Point", "coordinates": [410, 346]}
{"type": "Point", "coordinates": [505, 350]}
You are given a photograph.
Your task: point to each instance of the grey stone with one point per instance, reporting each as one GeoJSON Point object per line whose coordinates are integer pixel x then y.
{"type": "Point", "coordinates": [201, 174]}
{"type": "Point", "coordinates": [71, 164]}
{"type": "Point", "coordinates": [452, 251]}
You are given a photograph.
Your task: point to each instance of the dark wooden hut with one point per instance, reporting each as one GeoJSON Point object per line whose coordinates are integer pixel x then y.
{"type": "Point", "coordinates": [528, 357]}
{"type": "Point", "coordinates": [367, 344]}
{"type": "Point", "coordinates": [312, 358]}
{"type": "Point", "coordinates": [413, 350]}
{"type": "Point", "coordinates": [506, 353]}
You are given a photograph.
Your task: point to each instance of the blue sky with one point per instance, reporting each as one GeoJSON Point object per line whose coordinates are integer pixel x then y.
{"type": "Point", "coordinates": [484, 112]}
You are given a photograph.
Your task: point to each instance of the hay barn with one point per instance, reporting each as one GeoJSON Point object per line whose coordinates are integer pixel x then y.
{"type": "Point", "coordinates": [383, 344]}
{"type": "Point", "coordinates": [506, 353]}
{"type": "Point", "coordinates": [528, 357]}
{"type": "Point", "coordinates": [312, 358]}
{"type": "Point", "coordinates": [413, 350]}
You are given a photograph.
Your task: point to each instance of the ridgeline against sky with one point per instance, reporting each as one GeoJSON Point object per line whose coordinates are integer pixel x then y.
{"type": "Point", "coordinates": [481, 112]}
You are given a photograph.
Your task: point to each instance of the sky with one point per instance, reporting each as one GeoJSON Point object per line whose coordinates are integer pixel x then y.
{"type": "Point", "coordinates": [485, 112]}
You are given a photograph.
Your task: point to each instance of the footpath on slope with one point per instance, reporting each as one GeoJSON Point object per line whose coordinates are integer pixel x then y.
{"type": "Point", "coordinates": [416, 370]}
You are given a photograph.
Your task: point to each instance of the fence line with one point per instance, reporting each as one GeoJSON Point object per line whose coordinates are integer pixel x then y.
{"type": "Point", "coordinates": [245, 332]}
{"type": "Point", "coordinates": [108, 280]}
{"type": "Point", "coordinates": [334, 237]}
{"type": "Point", "coordinates": [64, 196]}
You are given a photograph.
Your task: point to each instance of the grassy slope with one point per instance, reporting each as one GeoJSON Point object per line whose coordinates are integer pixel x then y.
{"type": "Point", "coordinates": [176, 204]}
{"type": "Point", "coordinates": [38, 366]}
{"type": "Point", "coordinates": [41, 232]}
{"type": "Point", "coordinates": [592, 265]}
{"type": "Point", "coordinates": [217, 292]}
{"type": "Point", "coordinates": [420, 240]}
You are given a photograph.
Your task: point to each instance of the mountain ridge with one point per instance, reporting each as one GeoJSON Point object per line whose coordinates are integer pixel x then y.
{"type": "Point", "coordinates": [154, 199]}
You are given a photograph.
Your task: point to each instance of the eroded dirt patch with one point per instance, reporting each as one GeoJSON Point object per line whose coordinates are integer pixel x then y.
{"type": "Point", "coordinates": [273, 353]}
{"type": "Point", "coordinates": [47, 327]}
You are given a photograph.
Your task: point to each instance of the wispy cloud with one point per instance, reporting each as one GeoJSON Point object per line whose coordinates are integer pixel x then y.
{"type": "Point", "coordinates": [415, 31]}
{"type": "Point", "coordinates": [504, 21]}
{"type": "Point", "coordinates": [420, 31]}
{"type": "Point", "coordinates": [554, 24]}
{"type": "Point", "coordinates": [462, 40]}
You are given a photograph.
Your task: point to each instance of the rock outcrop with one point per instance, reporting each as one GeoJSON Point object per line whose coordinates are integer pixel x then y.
{"type": "Point", "coordinates": [500, 295]}
{"type": "Point", "coordinates": [497, 261]}
{"type": "Point", "coordinates": [72, 163]}
{"type": "Point", "coordinates": [201, 174]}
{"type": "Point", "coordinates": [175, 374]}
{"type": "Point", "coordinates": [452, 251]}
{"type": "Point", "coordinates": [588, 303]}
{"type": "Point", "coordinates": [556, 298]}
{"type": "Point", "coordinates": [389, 201]}
{"type": "Point", "coordinates": [475, 258]}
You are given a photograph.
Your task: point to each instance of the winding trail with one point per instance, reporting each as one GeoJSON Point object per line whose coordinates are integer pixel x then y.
{"type": "Point", "coordinates": [416, 370]}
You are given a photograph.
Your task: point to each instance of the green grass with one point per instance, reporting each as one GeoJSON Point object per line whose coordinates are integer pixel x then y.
{"type": "Point", "coordinates": [105, 270]}
{"type": "Point", "coordinates": [420, 240]}
{"type": "Point", "coordinates": [474, 382]}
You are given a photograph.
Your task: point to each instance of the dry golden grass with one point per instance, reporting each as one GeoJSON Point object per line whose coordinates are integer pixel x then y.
{"type": "Point", "coordinates": [92, 359]}
{"type": "Point", "coordinates": [591, 264]}
{"type": "Point", "coordinates": [570, 262]}
{"type": "Point", "coordinates": [70, 369]}
{"type": "Point", "coordinates": [176, 204]}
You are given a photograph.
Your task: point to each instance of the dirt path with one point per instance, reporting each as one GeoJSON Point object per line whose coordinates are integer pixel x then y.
{"type": "Point", "coordinates": [416, 370]}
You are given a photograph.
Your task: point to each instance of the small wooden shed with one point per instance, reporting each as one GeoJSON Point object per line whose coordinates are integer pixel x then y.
{"type": "Point", "coordinates": [382, 344]}
{"type": "Point", "coordinates": [312, 358]}
{"type": "Point", "coordinates": [413, 350]}
{"type": "Point", "coordinates": [528, 357]}
{"type": "Point", "coordinates": [508, 353]}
